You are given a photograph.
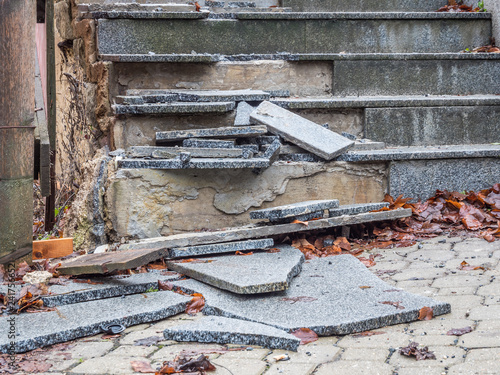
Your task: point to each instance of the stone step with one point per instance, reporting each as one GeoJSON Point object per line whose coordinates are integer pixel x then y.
{"type": "Point", "coordinates": [296, 32]}
{"type": "Point", "coordinates": [156, 96]}
{"type": "Point", "coordinates": [194, 163]}
{"type": "Point", "coordinates": [363, 5]}
{"type": "Point", "coordinates": [173, 108]}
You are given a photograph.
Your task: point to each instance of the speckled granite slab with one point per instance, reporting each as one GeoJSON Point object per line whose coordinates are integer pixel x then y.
{"type": "Point", "coordinates": [232, 331]}
{"type": "Point", "coordinates": [296, 209]}
{"type": "Point", "coordinates": [220, 248]}
{"type": "Point", "coordinates": [358, 208]}
{"type": "Point", "coordinates": [227, 132]}
{"type": "Point", "coordinates": [250, 274]}
{"type": "Point", "coordinates": [70, 322]}
{"type": "Point", "coordinates": [325, 297]}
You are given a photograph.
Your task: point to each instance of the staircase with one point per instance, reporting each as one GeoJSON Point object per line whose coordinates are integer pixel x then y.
{"type": "Point", "coordinates": [391, 71]}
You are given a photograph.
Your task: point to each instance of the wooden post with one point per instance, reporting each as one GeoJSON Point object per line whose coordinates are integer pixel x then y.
{"type": "Point", "coordinates": [17, 108]}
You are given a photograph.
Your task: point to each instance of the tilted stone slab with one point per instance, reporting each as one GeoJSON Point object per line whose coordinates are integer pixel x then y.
{"type": "Point", "coordinates": [250, 274]}
{"type": "Point", "coordinates": [199, 163]}
{"type": "Point", "coordinates": [104, 287]}
{"type": "Point", "coordinates": [172, 152]}
{"type": "Point", "coordinates": [207, 143]}
{"type": "Point", "coordinates": [355, 209]}
{"type": "Point", "coordinates": [70, 322]}
{"type": "Point", "coordinates": [300, 131]}
{"type": "Point", "coordinates": [273, 151]}
{"type": "Point", "coordinates": [232, 331]}
{"type": "Point", "coordinates": [326, 297]}
{"type": "Point", "coordinates": [295, 209]}
{"type": "Point", "coordinates": [220, 248]}
{"type": "Point", "coordinates": [227, 132]}
{"type": "Point", "coordinates": [207, 95]}
{"type": "Point", "coordinates": [172, 108]}
{"type": "Point", "coordinates": [259, 231]}
{"type": "Point", "coordinates": [243, 111]}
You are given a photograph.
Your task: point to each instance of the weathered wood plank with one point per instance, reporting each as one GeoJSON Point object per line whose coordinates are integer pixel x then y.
{"type": "Point", "coordinates": [55, 248]}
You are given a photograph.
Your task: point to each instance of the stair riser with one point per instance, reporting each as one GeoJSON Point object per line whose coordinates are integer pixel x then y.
{"type": "Point", "coordinates": [416, 77]}
{"type": "Point", "coordinates": [433, 126]}
{"type": "Point", "coordinates": [124, 36]}
{"type": "Point", "coordinates": [420, 179]}
{"type": "Point", "coordinates": [300, 79]}
{"type": "Point", "coordinates": [364, 5]}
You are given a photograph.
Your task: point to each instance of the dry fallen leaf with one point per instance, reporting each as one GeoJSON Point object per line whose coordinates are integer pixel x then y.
{"type": "Point", "coordinates": [459, 331]}
{"type": "Point", "coordinates": [420, 354]}
{"type": "Point", "coordinates": [464, 266]}
{"type": "Point", "coordinates": [242, 253]}
{"type": "Point", "coordinates": [300, 222]}
{"type": "Point", "coordinates": [142, 367]}
{"type": "Point", "coordinates": [306, 335]}
{"type": "Point", "coordinates": [425, 313]}
{"type": "Point", "coordinates": [196, 304]}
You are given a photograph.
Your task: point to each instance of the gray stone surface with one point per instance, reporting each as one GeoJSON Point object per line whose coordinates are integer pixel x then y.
{"type": "Point", "coordinates": [207, 143]}
{"type": "Point", "coordinates": [220, 248]}
{"type": "Point", "coordinates": [172, 152]}
{"type": "Point", "coordinates": [103, 287]}
{"type": "Point", "coordinates": [363, 5]}
{"type": "Point", "coordinates": [273, 151]}
{"type": "Point", "coordinates": [173, 108]}
{"type": "Point", "coordinates": [228, 132]}
{"type": "Point", "coordinates": [259, 231]}
{"type": "Point", "coordinates": [333, 304]}
{"type": "Point", "coordinates": [300, 158]}
{"type": "Point", "coordinates": [296, 33]}
{"type": "Point", "coordinates": [143, 99]}
{"type": "Point", "coordinates": [355, 209]}
{"type": "Point", "coordinates": [206, 95]}
{"type": "Point", "coordinates": [122, 14]}
{"type": "Point", "coordinates": [232, 331]}
{"type": "Point", "coordinates": [198, 163]}
{"type": "Point", "coordinates": [260, 272]}
{"type": "Point", "coordinates": [420, 179]}
{"type": "Point", "coordinates": [292, 210]}
{"type": "Point", "coordinates": [422, 152]}
{"type": "Point", "coordinates": [84, 319]}
{"type": "Point", "coordinates": [243, 111]}
{"type": "Point", "coordinates": [426, 126]}
{"type": "Point", "coordinates": [300, 131]}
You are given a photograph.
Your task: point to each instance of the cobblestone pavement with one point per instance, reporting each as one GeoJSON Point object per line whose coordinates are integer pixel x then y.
{"type": "Point", "coordinates": [429, 269]}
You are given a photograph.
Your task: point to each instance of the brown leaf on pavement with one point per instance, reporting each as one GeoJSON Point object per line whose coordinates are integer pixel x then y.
{"type": "Point", "coordinates": [464, 266]}
{"type": "Point", "coordinates": [396, 304]}
{"type": "Point", "coordinates": [420, 354]}
{"type": "Point", "coordinates": [306, 335]}
{"type": "Point", "coordinates": [182, 364]}
{"type": "Point", "coordinates": [243, 254]}
{"type": "Point", "coordinates": [459, 331]}
{"type": "Point", "coordinates": [142, 367]}
{"type": "Point", "coordinates": [196, 304]}
{"type": "Point", "coordinates": [368, 262]}
{"type": "Point", "coordinates": [425, 313]}
{"type": "Point", "coordinates": [300, 222]}
{"type": "Point", "coordinates": [165, 285]}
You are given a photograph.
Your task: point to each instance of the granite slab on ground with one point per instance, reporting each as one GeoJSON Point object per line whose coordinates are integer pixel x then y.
{"type": "Point", "coordinates": [81, 290]}
{"type": "Point", "coordinates": [330, 296]}
{"type": "Point", "coordinates": [357, 208]}
{"type": "Point", "coordinates": [300, 131]}
{"type": "Point", "coordinates": [250, 274]}
{"type": "Point", "coordinates": [232, 331]}
{"type": "Point", "coordinates": [220, 248]}
{"type": "Point", "coordinates": [227, 132]}
{"type": "Point", "coordinates": [295, 209]}
{"type": "Point", "coordinates": [85, 319]}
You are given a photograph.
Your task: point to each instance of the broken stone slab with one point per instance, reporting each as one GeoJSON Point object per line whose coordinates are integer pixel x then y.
{"type": "Point", "coordinates": [207, 143]}
{"type": "Point", "coordinates": [358, 208]}
{"type": "Point", "coordinates": [325, 297]}
{"type": "Point", "coordinates": [195, 152]}
{"type": "Point", "coordinates": [104, 287]}
{"type": "Point", "coordinates": [273, 152]}
{"type": "Point", "coordinates": [112, 261]}
{"type": "Point", "coordinates": [300, 131]}
{"type": "Point", "coordinates": [196, 163]}
{"type": "Point", "coordinates": [172, 108]}
{"type": "Point", "coordinates": [222, 330]}
{"type": "Point", "coordinates": [206, 95]}
{"type": "Point", "coordinates": [220, 248]}
{"type": "Point", "coordinates": [227, 132]}
{"type": "Point", "coordinates": [367, 144]}
{"type": "Point", "coordinates": [300, 158]}
{"type": "Point", "coordinates": [292, 210]}
{"type": "Point", "coordinates": [250, 274]}
{"type": "Point", "coordinates": [305, 217]}
{"type": "Point", "coordinates": [70, 322]}
{"type": "Point", "coordinates": [243, 111]}
{"type": "Point", "coordinates": [259, 231]}
{"type": "Point", "coordinates": [143, 99]}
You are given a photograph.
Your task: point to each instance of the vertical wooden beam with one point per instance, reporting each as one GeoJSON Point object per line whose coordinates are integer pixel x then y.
{"type": "Point", "coordinates": [17, 108]}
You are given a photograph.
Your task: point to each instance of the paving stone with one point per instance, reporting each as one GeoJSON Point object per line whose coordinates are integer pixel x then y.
{"type": "Point", "coordinates": [458, 280]}
{"type": "Point", "coordinates": [243, 115]}
{"type": "Point", "coordinates": [291, 368]}
{"type": "Point", "coordinates": [476, 245]}
{"type": "Point", "coordinates": [475, 368]}
{"type": "Point", "coordinates": [445, 356]}
{"type": "Point", "coordinates": [171, 351]}
{"type": "Point", "coordinates": [195, 152]}
{"type": "Point", "coordinates": [232, 331]}
{"type": "Point", "coordinates": [463, 301]}
{"type": "Point", "coordinates": [485, 312]}
{"type": "Point", "coordinates": [251, 274]}
{"type": "Point", "coordinates": [291, 210]}
{"type": "Point", "coordinates": [422, 370]}
{"type": "Point", "coordinates": [360, 354]}
{"type": "Point", "coordinates": [245, 367]}
{"type": "Point", "coordinates": [107, 365]}
{"type": "Point", "coordinates": [481, 339]}
{"type": "Point", "coordinates": [103, 287]}
{"type": "Point", "coordinates": [434, 340]}
{"type": "Point", "coordinates": [227, 132]}
{"type": "Point", "coordinates": [456, 291]}
{"type": "Point", "coordinates": [354, 367]}
{"type": "Point", "coordinates": [220, 248]}
{"type": "Point", "coordinates": [207, 143]}
{"type": "Point", "coordinates": [312, 353]}
{"type": "Point", "coordinates": [84, 319]}
{"type": "Point", "coordinates": [300, 131]}
{"type": "Point", "coordinates": [335, 306]}
{"type": "Point", "coordinates": [489, 289]}
{"type": "Point", "coordinates": [483, 355]}
{"type": "Point", "coordinates": [422, 274]}
{"type": "Point", "coordinates": [385, 340]}
{"type": "Point", "coordinates": [354, 209]}
{"type": "Point", "coordinates": [197, 163]}
{"type": "Point", "coordinates": [133, 350]}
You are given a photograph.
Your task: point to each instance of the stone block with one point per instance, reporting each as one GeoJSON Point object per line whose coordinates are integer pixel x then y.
{"type": "Point", "coordinates": [250, 274]}
{"type": "Point", "coordinates": [334, 306]}
{"type": "Point", "coordinates": [220, 248]}
{"type": "Point", "coordinates": [355, 209]}
{"type": "Point", "coordinates": [198, 163]}
{"type": "Point", "coordinates": [207, 143]}
{"type": "Point", "coordinates": [173, 152]}
{"type": "Point", "coordinates": [426, 126]}
{"type": "Point", "coordinates": [300, 131]}
{"type": "Point", "coordinates": [172, 108]}
{"type": "Point", "coordinates": [206, 95]}
{"type": "Point", "coordinates": [273, 151]}
{"type": "Point", "coordinates": [292, 210]}
{"type": "Point", "coordinates": [243, 111]}
{"type": "Point", "coordinates": [419, 179]}
{"type": "Point", "coordinates": [232, 331]}
{"type": "Point", "coordinates": [70, 322]}
{"type": "Point", "coordinates": [363, 5]}
{"type": "Point", "coordinates": [228, 132]}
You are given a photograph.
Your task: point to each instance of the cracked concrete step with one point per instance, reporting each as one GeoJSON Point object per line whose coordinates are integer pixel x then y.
{"type": "Point", "coordinates": [363, 5]}
{"type": "Point", "coordinates": [294, 32]}
{"type": "Point", "coordinates": [155, 96]}
{"type": "Point", "coordinates": [260, 272]}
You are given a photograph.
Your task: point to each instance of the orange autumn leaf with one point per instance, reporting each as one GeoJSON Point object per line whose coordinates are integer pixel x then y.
{"type": "Point", "coordinates": [300, 222]}
{"type": "Point", "coordinates": [196, 304]}
{"type": "Point", "coordinates": [242, 253]}
{"type": "Point", "coordinates": [306, 335]}
{"type": "Point", "coordinates": [464, 266]}
{"type": "Point", "coordinates": [425, 313]}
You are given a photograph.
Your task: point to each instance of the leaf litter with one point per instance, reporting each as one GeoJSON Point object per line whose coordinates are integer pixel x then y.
{"type": "Point", "coordinates": [420, 354]}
